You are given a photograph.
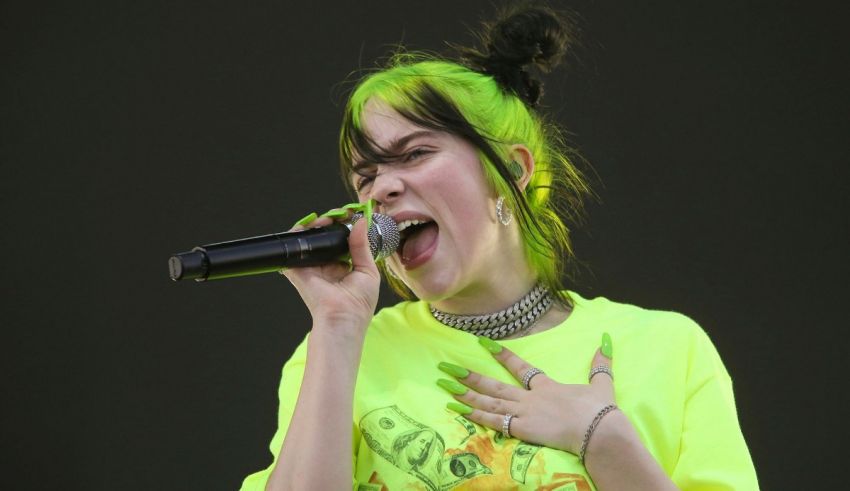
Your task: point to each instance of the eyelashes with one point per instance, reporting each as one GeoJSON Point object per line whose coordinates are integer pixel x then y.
{"type": "Point", "coordinates": [368, 173]}
{"type": "Point", "coordinates": [415, 154]}
{"type": "Point", "coordinates": [362, 182]}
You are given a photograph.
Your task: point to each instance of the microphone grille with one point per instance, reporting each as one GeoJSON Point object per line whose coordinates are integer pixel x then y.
{"type": "Point", "coordinates": [383, 235]}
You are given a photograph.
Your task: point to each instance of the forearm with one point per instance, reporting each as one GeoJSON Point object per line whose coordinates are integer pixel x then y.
{"type": "Point", "coordinates": [616, 458]}
{"type": "Point", "coordinates": [320, 429]}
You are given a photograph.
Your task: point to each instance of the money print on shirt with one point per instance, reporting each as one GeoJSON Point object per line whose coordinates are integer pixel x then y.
{"type": "Point", "coordinates": [417, 449]}
{"type": "Point", "coordinates": [521, 459]}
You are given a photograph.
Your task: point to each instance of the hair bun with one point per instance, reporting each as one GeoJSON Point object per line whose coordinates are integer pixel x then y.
{"type": "Point", "coordinates": [521, 37]}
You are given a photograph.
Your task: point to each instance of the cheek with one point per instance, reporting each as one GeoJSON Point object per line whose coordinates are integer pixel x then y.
{"type": "Point", "coordinates": [466, 211]}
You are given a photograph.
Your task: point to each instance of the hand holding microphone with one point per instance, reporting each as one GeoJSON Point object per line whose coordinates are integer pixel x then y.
{"type": "Point", "coordinates": [292, 249]}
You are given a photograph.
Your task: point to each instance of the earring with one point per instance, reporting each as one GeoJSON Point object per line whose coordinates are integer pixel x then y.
{"type": "Point", "coordinates": [515, 169]}
{"type": "Point", "coordinates": [503, 213]}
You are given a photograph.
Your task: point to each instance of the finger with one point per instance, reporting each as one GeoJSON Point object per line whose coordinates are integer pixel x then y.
{"type": "Point", "coordinates": [492, 387]}
{"type": "Point", "coordinates": [336, 213]}
{"type": "Point", "coordinates": [484, 418]}
{"type": "Point", "coordinates": [299, 276]}
{"type": "Point", "coordinates": [321, 221]}
{"type": "Point", "coordinates": [301, 224]}
{"type": "Point", "coordinates": [475, 399]}
{"type": "Point", "coordinates": [361, 254]}
{"type": "Point", "coordinates": [516, 365]}
{"type": "Point", "coordinates": [603, 358]}
{"type": "Point", "coordinates": [311, 221]}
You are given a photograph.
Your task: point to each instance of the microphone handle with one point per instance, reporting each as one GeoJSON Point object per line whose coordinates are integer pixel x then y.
{"type": "Point", "coordinates": [261, 254]}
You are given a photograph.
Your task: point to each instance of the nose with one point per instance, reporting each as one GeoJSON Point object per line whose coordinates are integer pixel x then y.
{"type": "Point", "coordinates": [386, 187]}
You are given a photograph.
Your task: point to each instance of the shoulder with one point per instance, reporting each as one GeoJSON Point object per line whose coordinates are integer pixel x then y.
{"type": "Point", "coordinates": [645, 330]}
{"type": "Point", "coordinates": [398, 311]}
{"type": "Point", "coordinates": [405, 318]}
{"type": "Point", "coordinates": [601, 310]}
{"type": "Point", "coordinates": [402, 312]}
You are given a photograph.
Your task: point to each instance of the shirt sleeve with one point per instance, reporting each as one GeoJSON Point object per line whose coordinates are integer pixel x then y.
{"type": "Point", "coordinates": [290, 385]}
{"type": "Point", "coordinates": [713, 454]}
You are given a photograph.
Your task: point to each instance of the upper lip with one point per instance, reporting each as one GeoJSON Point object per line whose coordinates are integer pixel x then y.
{"type": "Point", "coordinates": [410, 215]}
{"type": "Point", "coordinates": [404, 216]}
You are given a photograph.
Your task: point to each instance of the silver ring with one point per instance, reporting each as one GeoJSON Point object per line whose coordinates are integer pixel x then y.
{"type": "Point", "coordinates": [599, 369]}
{"type": "Point", "coordinates": [506, 425]}
{"type": "Point", "coordinates": [526, 378]}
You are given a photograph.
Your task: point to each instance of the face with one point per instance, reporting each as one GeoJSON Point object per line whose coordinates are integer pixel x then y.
{"type": "Point", "coordinates": [458, 248]}
{"type": "Point", "coordinates": [417, 450]}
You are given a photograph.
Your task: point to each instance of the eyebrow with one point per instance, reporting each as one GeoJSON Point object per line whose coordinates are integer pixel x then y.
{"type": "Point", "coordinates": [397, 145]}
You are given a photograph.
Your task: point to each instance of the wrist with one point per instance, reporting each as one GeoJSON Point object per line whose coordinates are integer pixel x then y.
{"type": "Point", "coordinates": [616, 458]}
{"type": "Point", "coordinates": [343, 325]}
{"type": "Point", "coordinates": [338, 333]}
{"type": "Point", "coordinates": [612, 435]}
{"type": "Point", "coordinates": [591, 429]}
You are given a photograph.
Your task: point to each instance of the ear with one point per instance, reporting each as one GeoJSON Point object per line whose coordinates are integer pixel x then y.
{"type": "Point", "coordinates": [520, 154]}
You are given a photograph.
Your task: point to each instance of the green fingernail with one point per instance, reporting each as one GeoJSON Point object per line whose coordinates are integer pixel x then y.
{"type": "Point", "coordinates": [607, 347]}
{"type": "Point", "coordinates": [304, 221]}
{"type": "Point", "coordinates": [459, 408]}
{"type": "Point", "coordinates": [453, 370]}
{"type": "Point", "coordinates": [452, 386]}
{"type": "Point", "coordinates": [368, 212]}
{"type": "Point", "coordinates": [492, 346]}
{"type": "Point", "coordinates": [335, 213]}
{"type": "Point", "coordinates": [353, 206]}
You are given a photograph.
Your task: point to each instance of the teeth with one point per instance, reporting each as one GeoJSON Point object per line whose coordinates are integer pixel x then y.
{"type": "Point", "coordinates": [407, 223]}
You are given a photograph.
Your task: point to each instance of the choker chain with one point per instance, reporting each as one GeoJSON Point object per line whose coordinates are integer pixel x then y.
{"type": "Point", "coordinates": [517, 318]}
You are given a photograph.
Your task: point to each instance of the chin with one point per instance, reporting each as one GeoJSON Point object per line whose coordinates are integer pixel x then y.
{"type": "Point", "coordinates": [432, 287]}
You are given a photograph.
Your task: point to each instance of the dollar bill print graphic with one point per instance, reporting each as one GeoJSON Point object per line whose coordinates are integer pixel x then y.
{"type": "Point", "coordinates": [408, 444]}
{"type": "Point", "coordinates": [521, 459]}
{"type": "Point", "coordinates": [417, 449]}
{"type": "Point", "coordinates": [468, 426]}
{"type": "Point", "coordinates": [462, 467]}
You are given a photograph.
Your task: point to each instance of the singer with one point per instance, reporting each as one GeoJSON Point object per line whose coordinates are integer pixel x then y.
{"type": "Point", "coordinates": [492, 374]}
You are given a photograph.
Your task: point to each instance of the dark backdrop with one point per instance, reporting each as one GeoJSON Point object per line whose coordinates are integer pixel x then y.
{"type": "Point", "coordinates": [132, 130]}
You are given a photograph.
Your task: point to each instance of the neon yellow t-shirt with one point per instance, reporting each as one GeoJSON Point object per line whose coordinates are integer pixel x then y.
{"type": "Point", "coordinates": [670, 382]}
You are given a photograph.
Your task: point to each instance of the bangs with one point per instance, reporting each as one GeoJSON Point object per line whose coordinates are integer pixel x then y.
{"type": "Point", "coordinates": [419, 103]}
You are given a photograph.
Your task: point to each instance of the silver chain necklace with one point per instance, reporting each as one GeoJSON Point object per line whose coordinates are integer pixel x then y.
{"type": "Point", "coordinates": [517, 318]}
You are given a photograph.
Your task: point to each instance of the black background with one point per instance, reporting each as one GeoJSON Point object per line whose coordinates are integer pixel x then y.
{"type": "Point", "coordinates": [133, 130]}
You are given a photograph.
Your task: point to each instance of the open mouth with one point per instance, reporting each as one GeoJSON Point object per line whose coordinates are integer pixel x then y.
{"type": "Point", "coordinates": [417, 241]}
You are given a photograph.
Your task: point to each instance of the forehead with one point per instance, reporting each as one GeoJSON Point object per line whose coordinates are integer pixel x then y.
{"type": "Point", "coordinates": [383, 124]}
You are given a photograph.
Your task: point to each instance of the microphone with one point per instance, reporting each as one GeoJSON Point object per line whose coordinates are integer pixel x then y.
{"type": "Point", "coordinates": [268, 253]}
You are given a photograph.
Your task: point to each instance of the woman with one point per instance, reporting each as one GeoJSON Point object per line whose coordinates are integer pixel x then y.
{"type": "Point", "coordinates": [420, 395]}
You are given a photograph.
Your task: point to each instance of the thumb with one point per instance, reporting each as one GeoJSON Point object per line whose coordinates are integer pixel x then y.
{"type": "Point", "coordinates": [361, 254]}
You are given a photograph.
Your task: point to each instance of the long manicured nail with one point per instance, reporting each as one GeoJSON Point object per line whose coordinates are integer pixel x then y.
{"type": "Point", "coordinates": [492, 346]}
{"type": "Point", "coordinates": [459, 408]}
{"type": "Point", "coordinates": [607, 347]}
{"type": "Point", "coordinates": [453, 370]}
{"type": "Point", "coordinates": [452, 386]}
{"type": "Point", "coordinates": [304, 221]}
{"type": "Point", "coordinates": [354, 206]}
{"type": "Point", "coordinates": [335, 213]}
{"type": "Point", "coordinates": [368, 212]}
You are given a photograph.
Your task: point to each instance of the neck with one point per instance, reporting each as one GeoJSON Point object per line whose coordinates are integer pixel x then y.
{"type": "Point", "coordinates": [486, 298]}
{"type": "Point", "coordinates": [500, 282]}
{"type": "Point", "coordinates": [518, 319]}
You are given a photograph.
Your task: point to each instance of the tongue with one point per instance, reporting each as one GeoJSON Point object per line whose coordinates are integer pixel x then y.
{"type": "Point", "coordinates": [419, 242]}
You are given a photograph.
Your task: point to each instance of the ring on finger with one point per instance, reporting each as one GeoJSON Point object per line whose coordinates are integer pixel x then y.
{"type": "Point", "coordinates": [506, 425]}
{"type": "Point", "coordinates": [600, 369]}
{"type": "Point", "coordinates": [526, 377]}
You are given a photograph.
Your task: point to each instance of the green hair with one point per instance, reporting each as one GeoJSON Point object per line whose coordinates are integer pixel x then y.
{"type": "Point", "coordinates": [446, 96]}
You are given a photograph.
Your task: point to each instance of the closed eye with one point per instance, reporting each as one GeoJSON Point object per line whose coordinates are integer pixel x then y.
{"type": "Point", "coordinates": [416, 153]}
{"type": "Point", "coordinates": [362, 182]}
